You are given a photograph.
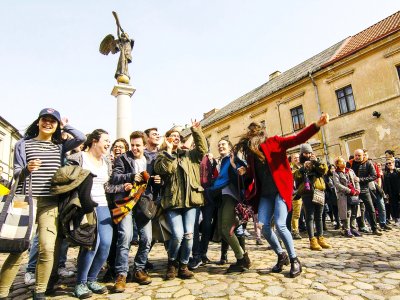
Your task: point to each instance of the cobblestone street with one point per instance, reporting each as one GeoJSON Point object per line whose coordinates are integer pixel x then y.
{"type": "Point", "coordinates": [356, 268]}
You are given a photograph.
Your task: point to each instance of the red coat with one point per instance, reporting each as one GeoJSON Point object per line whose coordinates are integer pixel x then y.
{"type": "Point", "coordinates": [274, 149]}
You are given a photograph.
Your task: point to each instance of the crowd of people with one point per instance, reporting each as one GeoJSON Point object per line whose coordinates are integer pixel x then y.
{"type": "Point", "coordinates": [175, 182]}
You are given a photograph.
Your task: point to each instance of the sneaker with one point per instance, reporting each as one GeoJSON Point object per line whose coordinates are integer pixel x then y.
{"type": "Point", "coordinates": [81, 291]}
{"type": "Point", "coordinates": [259, 242]}
{"type": "Point", "coordinates": [29, 278]}
{"type": "Point", "coordinates": [296, 236]}
{"type": "Point", "coordinates": [205, 260]}
{"type": "Point", "coordinates": [364, 230]}
{"type": "Point", "coordinates": [194, 263]}
{"type": "Point", "coordinates": [65, 273]}
{"type": "Point", "coordinates": [355, 233]}
{"type": "Point", "coordinates": [348, 234]}
{"type": "Point", "coordinates": [96, 287]}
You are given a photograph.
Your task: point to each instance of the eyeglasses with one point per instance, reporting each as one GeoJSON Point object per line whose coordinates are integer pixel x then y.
{"type": "Point", "coordinates": [389, 163]}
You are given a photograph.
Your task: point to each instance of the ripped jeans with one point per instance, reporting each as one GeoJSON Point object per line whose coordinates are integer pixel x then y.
{"type": "Point", "coordinates": [181, 221]}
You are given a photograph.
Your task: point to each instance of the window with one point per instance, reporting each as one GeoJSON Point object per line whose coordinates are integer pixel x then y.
{"type": "Point", "coordinates": [398, 70]}
{"type": "Point", "coordinates": [345, 99]}
{"type": "Point", "coordinates": [298, 118]}
{"type": "Point", "coordinates": [354, 144]}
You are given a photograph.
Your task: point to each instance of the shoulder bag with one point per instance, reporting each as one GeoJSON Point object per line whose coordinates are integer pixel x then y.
{"type": "Point", "coordinates": [17, 217]}
{"type": "Point", "coordinates": [318, 197]}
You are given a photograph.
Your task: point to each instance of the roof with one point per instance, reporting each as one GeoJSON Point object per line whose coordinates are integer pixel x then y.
{"type": "Point", "coordinates": [14, 131]}
{"type": "Point", "coordinates": [368, 36]}
{"type": "Point", "coordinates": [285, 79]}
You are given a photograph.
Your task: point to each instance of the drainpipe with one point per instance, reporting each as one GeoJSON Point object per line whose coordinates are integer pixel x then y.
{"type": "Point", "coordinates": [279, 114]}
{"type": "Point", "coordinates": [319, 112]}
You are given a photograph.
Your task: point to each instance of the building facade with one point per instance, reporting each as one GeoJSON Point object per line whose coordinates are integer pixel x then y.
{"type": "Point", "coordinates": [355, 81]}
{"type": "Point", "coordinates": [9, 135]}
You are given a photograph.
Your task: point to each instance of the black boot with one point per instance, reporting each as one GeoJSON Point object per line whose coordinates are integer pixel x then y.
{"type": "Point", "coordinates": [295, 267]}
{"type": "Point", "coordinates": [241, 265]}
{"type": "Point", "coordinates": [224, 253]}
{"type": "Point", "coordinates": [283, 260]}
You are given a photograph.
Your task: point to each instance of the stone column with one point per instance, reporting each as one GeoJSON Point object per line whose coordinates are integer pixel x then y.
{"type": "Point", "coordinates": [123, 93]}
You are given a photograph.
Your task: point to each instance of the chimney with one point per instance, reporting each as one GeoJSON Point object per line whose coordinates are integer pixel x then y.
{"type": "Point", "coordinates": [274, 75]}
{"type": "Point", "coordinates": [211, 112]}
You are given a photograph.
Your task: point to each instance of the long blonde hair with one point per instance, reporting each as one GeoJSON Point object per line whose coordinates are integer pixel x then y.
{"type": "Point", "coordinates": [251, 140]}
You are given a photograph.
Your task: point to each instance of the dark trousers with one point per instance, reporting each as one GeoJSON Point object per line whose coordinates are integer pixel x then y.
{"type": "Point", "coordinates": [369, 209]}
{"type": "Point", "coordinates": [313, 213]}
{"type": "Point", "coordinates": [209, 213]}
{"type": "Point", "coordinates": [394, 206]}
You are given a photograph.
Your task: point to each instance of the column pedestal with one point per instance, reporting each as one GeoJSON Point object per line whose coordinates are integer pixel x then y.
{"type": "Point", "coordinates": [123, 93]}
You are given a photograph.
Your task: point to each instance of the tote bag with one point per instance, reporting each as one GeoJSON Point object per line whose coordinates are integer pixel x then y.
{"type": "Point", "coordinates": [17, 216]}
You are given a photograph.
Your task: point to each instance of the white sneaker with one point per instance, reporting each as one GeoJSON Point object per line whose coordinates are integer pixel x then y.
{"type": "Point", "coordinates": [65, 273]}
{"type": "Point", "coordinates": [29, 278]}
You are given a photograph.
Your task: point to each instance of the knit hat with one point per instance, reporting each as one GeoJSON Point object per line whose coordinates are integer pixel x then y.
{"type": "Point", "coordinates": [67, 178]}
{"type": "Point", "coordinates": [305, 148]}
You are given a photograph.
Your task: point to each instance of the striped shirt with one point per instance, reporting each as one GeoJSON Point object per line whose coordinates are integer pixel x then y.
{"type": "Point", "coordinates": [50, 156]}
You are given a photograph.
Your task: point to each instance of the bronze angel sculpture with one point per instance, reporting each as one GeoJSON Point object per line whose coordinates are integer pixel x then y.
{"type": "Point", "coordinates": [123, 44]}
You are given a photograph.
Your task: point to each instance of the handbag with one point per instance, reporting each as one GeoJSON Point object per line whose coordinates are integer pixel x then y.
{"type": "Point", "coordinates": [17, 215]}
{"type": "Point", "coordinates": [147, 208]}
{"type": "Point", "coordinates": [243, 211]}
{"type": "Point", "coordinates": [318, 197]}
{"type": "Point", "coordinates": [353, 200]}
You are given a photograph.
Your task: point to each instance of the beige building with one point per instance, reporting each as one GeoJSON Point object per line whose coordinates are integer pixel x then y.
{"type": "Point", "coordinates": [356, 81]}
{"type": "Point", "coordinates": [9, 135]}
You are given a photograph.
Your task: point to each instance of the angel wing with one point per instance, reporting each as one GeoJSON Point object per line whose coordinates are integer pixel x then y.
{"type": "Point", "coordinates": [109, 44]}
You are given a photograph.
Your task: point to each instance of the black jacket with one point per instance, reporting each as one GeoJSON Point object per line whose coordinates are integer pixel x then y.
{"type": "Point", "coordinates": [365, 171]}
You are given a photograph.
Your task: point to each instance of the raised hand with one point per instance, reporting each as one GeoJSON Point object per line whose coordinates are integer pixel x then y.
{"type": "Point", "coordinates": [323, 120]}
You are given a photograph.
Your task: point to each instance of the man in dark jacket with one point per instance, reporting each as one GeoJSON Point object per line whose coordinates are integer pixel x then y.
{"type": "Point", "coordinates": [366, 173]}
{"type": "Point", "coordinates": [127, 170]}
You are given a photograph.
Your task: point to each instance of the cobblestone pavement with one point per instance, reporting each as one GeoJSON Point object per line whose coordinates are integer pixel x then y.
{"type": "Point", "coordinates": [356, 268]}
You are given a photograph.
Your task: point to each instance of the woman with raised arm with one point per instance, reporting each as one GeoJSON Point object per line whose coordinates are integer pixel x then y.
{"type": "Point", "coordinates": [271, 184]}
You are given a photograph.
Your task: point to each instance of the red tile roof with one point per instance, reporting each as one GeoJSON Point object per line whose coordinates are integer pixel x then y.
{"type": "Point", "coordinates": [368, 36]}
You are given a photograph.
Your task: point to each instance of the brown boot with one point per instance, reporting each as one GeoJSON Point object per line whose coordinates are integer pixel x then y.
{"type": "Point", "coordinates": [120, 284]}
{"type": "Point", "coordinates": [184, 272]}
{"type": "Point", "coordinates": [323, 243]}
{"type": "Point", "coordinates": [314, 244]}
{"type": "Point", "coordinates": [172, 269]}
{"type": "Point", "coordinates": [141, 277]}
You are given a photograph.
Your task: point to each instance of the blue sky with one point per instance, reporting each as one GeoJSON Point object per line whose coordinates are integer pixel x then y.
{"type": "Point", "coordinates": [189, 56]}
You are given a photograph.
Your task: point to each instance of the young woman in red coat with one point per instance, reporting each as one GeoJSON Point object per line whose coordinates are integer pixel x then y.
{"type": "Point", "coordinates": [272, 184]}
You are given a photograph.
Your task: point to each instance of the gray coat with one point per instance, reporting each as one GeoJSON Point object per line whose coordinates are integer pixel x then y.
{"type": "Point", "coordinates": [341, 181]}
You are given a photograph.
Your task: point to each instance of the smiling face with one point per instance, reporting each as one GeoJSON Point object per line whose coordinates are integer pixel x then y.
{"type": "Point", "coordinates": [118, 149]}
{"type": "Point", "coordinates": [103, 144]}
{"type": "Point", "coordinates": [175, 139]}
{"type": "Point", "coordinates": [137, 147]}
{"type": "Point", "coordinates": [153, 138]}
{"type": "Point", "coordinates": [224, 148]}
{"type": "Point", "coordinates": [47, 125]}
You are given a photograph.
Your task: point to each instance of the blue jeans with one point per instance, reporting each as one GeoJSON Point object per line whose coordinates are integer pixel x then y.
{"type": "Point", "coordinates": [380, 204]}
{"type": "Point", "coordinates": [33, 254]}
{"type": "Point", "coordinates": [274, 206]}
{"type": "Point", "coordinates": [90, 262]}
{"type": "Point", "coordinates": [125, 235]}
{"type": "Point", "coordinates": [145, 238]}
{"type": "Point", "coordinates": [181, 221]}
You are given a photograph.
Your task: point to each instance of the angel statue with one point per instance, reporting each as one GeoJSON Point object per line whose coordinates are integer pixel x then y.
{"type": "Point", "coordinates": [123, 44]}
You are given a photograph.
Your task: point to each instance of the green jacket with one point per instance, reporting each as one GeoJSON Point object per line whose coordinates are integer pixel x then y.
{"type": "Point", "coordinates": [181, 174]}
